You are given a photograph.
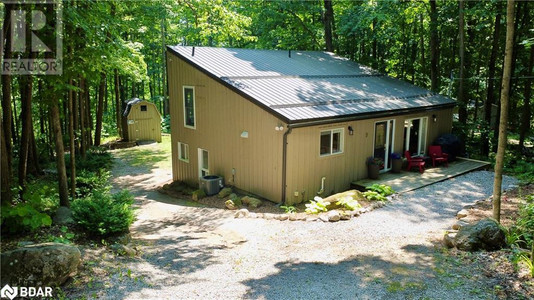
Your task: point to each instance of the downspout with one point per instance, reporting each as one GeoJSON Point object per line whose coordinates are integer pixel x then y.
{"type": "Point", "coordinates": [284, 164]}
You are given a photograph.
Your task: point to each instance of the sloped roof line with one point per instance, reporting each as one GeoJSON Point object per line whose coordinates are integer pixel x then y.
{"type": "Point", "coordinates": [348, 101]}
{"type": "Point", "coordinates": [231, 78]}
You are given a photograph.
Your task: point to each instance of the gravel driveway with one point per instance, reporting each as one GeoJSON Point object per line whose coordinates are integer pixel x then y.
{"type": "Point", "coordinates": [389, 253]}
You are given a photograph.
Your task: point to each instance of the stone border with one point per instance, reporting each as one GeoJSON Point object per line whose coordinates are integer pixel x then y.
{"type": "Point", "coordinates": [329, 216]}
{"type": "Point", "coordinates": [450, 234]}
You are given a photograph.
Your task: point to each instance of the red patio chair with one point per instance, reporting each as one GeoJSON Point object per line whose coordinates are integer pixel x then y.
{"type": "Point", "coordinates": [414, 162]}
{"type": "Point", "coordinates": [438, 156]}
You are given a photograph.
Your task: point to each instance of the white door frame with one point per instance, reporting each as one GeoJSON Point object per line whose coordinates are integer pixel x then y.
{"type": "Point", "coordinates": [201, 163]}
{"type": "Point", "coordinates": [390, 142]}
{"type": "Point", "coordinates": [421, 149]}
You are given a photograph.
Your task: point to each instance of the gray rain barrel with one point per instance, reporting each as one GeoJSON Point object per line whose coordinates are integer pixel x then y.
{"type": "Point", "coordinates": [211, 184]}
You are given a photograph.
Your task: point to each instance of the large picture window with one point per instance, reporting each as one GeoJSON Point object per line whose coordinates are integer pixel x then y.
{"type": "Point", "coordinates": [189, 107]}
{"type": "Point", "coordinates": [331, 142]}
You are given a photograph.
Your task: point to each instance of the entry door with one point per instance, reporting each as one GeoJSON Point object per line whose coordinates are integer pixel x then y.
{"type": "Point", "coordinates": [415, 135]}
{"type": "Point", "coordinates": [383, 145]}
{"type": "Point", "coordinates": [203, 163]}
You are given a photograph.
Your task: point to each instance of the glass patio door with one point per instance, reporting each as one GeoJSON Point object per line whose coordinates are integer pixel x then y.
{"type": "Point", "coordinates": [415, 131]}
{"type": "Point", "coordinates": [383, 144]}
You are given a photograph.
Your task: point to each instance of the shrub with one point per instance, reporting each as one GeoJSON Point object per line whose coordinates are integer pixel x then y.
{"type": "Point", "coordinates": [522, 232]}
{"type": "Point", "coordinates": [349, 203]}
{"type": "Point", "coordinates": [382, 189]}
{"type": "Point", "coordinates": [88, 182]}
{"type": "Point", "coordinates": [316, 206]}
{"type": "Point", "coordinates": [41, 199]}
{"type": "Point", "coordinates": [288, 209]}
{"type": "Point", "coordinates": [374, 196]}
{"type": "Point", "coordinates": [104, 214]}
{"type": "Point", "coordinates": [23, 217]}
{"type": "Point", "coordinates": [96, 159]}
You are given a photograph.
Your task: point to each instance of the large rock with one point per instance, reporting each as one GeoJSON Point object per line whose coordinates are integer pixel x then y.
{"type": "Point", "coordinates": [230, 205]}
{"type": "Point", "coordinates": [462, 214]}
{"type": "Point", "coordinates": [333, 216]}
{"type": "Point", "coordinates": [251, 202]}
{"type": "Point", "coordinates": [332, 200]}
{"type": "Point", "coordinates": [198, 194]}
{"type": "Point", "coordinates": [39, 265]}
{"type": "Point", "coordinates": [225, 192]}
{"type": "Point", "coordinates": [486, 234]}
{"type": "Point", "coordinates": [63, 216]}
{"type": "Point", "coordinates": [123, 250]}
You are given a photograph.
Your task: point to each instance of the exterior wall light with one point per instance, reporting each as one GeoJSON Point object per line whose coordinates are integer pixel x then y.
{"type": "Point", "coordinates": [434, 118]}
{"type": "Point", "coordinates": [244, 134]}
{"type": "Point", "coordinates": [351, 131]}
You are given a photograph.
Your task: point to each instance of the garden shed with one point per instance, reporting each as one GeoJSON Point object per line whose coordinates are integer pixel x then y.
{"type": "Point", "coordinates": [144, 121]}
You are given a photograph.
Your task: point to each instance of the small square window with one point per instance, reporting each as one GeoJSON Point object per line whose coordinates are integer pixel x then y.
{"type": "Point", "coordinates": [331, 142]}
{"type": "Point", "coordinates": [183, 152]}
{"type": "Point", "coordinates": [143, 107]}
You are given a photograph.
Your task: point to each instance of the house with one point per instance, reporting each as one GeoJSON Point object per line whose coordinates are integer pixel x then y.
{"type": "Point", "coordinates": [290, 125]}
{"type": "Point", "coordinates": [143, 120]}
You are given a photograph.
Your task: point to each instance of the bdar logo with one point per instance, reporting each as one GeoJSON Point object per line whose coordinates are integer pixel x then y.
{"type": "Point", "coordinates": [8, 292]}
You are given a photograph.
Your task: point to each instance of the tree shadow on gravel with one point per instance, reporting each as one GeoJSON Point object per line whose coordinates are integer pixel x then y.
{"type": "Point", "coordinates": [428, 276]}
{"type": "Point", "coordinates": [162, 263]}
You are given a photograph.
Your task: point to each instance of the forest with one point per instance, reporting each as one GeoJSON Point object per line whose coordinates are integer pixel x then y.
{"type": "Point", "coordinates": [115, 50]}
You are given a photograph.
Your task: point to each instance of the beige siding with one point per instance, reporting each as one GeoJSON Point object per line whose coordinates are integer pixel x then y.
{"type": "Point", "coordinates": [306, 167]}
{"type": "Point", "coordinates": [221, 117]}
{"type": "Point", "coordinates": [144, 125]}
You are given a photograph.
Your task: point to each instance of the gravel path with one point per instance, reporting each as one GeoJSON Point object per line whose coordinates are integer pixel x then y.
{"type": "Point", "coordinates": [389, 253]}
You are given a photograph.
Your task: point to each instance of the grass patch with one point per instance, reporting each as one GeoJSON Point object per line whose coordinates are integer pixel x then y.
{"type": "Point", "coordinates": [154, 156]}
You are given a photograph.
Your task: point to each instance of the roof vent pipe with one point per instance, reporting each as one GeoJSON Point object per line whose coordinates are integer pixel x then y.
{"type": "Point", "coordinates": [193, 51]}
{"type": "Point", "coordinates": [289, 53]}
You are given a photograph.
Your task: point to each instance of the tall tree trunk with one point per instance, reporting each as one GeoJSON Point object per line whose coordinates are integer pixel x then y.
{"type": "Point", "coordinates": [100, 109]}
{"type": "Point", "coordinates": [526, 114]}
{"type": "Point", "coordinates": [81, 106]}
{"type": "Point", "coordinates": [490, 97]}
{"type": "Point", "coordinates": [507, 74]}
{"type": "Point", "coordinates": [164, 65]}
{"type": "Point", "coordinates": [25, 84]}
{"type": "Point", "coordinates": [33, 167]}
{"type": "Point", "coordinates": [462, 101]}
{"type": "Point", "coordinates": [512, 82]}
{"type": "Point", "coordinates": [60, 154]}
{"type": "Point", "coordinates": [434, 48]}
{"type": "Point", "coordinates": [118, 107]}
{"type": "Point", "coordinates": [413, 58]}
{"type": "Point", "coordinates": [422, 46]}
{"type": "Point", "coordinates": [6, 96]}
{"type": "Point", "coordinates": [5, 176]}
{"type": "Point", "coordinates": [72, 143]}
{"type": "Point", "coordinates": [88, 116]}
{"type": "Point", "coordinates": [327, 20]}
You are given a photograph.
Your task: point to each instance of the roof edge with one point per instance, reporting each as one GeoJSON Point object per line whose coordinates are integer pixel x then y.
{"type": "Point", "coordinates": [230, 86]}
{"type": "Point", "coordinates": [366, 116]}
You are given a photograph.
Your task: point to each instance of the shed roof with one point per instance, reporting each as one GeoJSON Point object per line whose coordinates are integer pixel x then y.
{"type": "Point", "coordinates": [133, 102]}
{"type": "Point", "coordinates": [300, 86]}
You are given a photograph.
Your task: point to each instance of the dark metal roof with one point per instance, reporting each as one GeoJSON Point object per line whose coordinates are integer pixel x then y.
{"type": "Point", "coordinates": [309, 85]}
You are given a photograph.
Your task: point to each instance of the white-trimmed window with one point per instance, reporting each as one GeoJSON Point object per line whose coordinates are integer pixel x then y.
{"type": "Point", "coordinates": [189, 107]}
{"type": "Point", "coordinates": [331, 142]}
{"type": "Point", "coordinates": [183, 152]}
